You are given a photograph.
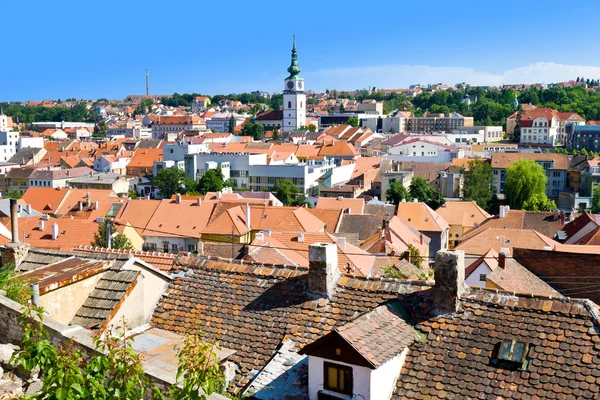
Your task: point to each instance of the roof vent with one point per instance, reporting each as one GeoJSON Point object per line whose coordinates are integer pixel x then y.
{"type": "Point", "coordinates": [300, 237]}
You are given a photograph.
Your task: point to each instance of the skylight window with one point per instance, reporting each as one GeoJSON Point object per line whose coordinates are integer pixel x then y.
{"type": "Point", "coordinates": [513, 353]}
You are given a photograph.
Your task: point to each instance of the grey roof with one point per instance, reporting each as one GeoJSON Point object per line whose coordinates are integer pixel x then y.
{"type": "Point", "coordinates": [105, 297]}
{"type": "Point", "coordinates": [5, 209]}
{"type": "Point", "coordinates": [365, 225]}
{"type": "Point", "coordinates": [25, 155]}
{"type": "Point", "coordinates": [98, 178]}
{"type": "Point", "coordinates": [20, 173]}
{"type": "Point", "coordinates": [149, 144]}
{"type": "Point", "coordinates": [37, 258]}
{"type": "Point", "coordinates": [61, 173]}
{"type": "Point", "coordinates": [381, 210]}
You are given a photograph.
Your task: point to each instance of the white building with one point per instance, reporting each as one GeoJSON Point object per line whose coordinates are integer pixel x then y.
{"type": "Point", "coordinates": [395, 122]}
{"type": "Point", "coordinates": [219, 122]}
{"type": "Point", "coordinates": [163, 125]}
{"type": "Point", "coordinates": [418, 149]}
{"type": "Point", "coordinates": [9, 143]}
{"type": "Point", "coordinates": [540, 127]}
{"type": "Point", "coordinates": [294, 99]}
{"type": "Point", "coordinates": [475, 134]}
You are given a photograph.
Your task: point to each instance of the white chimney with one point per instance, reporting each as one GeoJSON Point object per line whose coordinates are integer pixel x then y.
{"type": "Point", "coordinates": [506, 250]}
{"type": "Point", "coordinates": [267, 232]}
{"type": "Point", "coordinates": [260, 236]}
{"type": "Point", "coordinates": [340, 198]}
{"type": "Point", "coordinates": [502, 212]}
{"type": "Point", "coordinates": [80, 206]}
{"type": "Point", "coordinates": [300, 237]}
{"type": "Point", "coordinates": [218, 195]}
{"type": "Point", "coordinates": [95, 205]}
{"type": "Point", "coordinates": [341, 241]}
{"type": "Point", "coordinates": [41, 224]}
{"type": "Point", "coordinates": [199, 201]}
{"type": "Point", "coordinates": [415, 200]}
{"type": "Point", "coordinates": [248, 216]}
{"type": "Point", "coordinates": [178, 198]}
{"type": "Point", "coordinates": [54, 231]}
{"type": "Point", "coordinates": [28, 208]}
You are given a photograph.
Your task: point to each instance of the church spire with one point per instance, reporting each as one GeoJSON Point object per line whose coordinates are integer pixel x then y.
{"type": "Point", "coordinates": [294, 69]}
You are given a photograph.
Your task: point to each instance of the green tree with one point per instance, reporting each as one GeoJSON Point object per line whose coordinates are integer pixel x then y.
{"type": "Point", "coordinates": [169, 181]}
{"type": "Point", "coordinates": [231, 124]}
{"type": "Point", "coordinates": [254, 129]}
{"type": "Point", "coordinates": [276, 135]}
{"type": "Point", "coordinates": [213, 181]}
{"type": "Point", "coordinates": [312, 128]}
{"type": "Point", "coordinates": [421, 190]}
{"type": "Point", "coordinates": [595, 206]}
{"type": "Point", "coordinates": [415, 256]}
{"type": "Point", "coordinates": [285, 191]}
{"type": "Point", "coordinates": [118, 241]}
{"type": "Point", "coordinates": [583, 152]}
{"type": "Point", "coordinates": [573, 152]}
{"type": "Point", "coordinates": [100, 129]}
{"type": "Point", "coordinates": [13, 194]}
{"type": "Point", "coordinates": [352, 121]}
{"type": "Point", "coordinates": [539, 202]}
{"type": "Point", "coordinates": [16, 288]}
{"type": "Point", "coordinates": [397, 192]}
{"type": "Point", "coordinates": [133, 194]}
{"type": "Point", "coordinates": [525, 181]}
{"type": "Point", "coordinates": [477, 183]}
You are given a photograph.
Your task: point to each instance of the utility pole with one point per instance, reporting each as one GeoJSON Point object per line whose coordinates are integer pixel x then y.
{"type": "Point", "coordinates": [108, 233]}
{"type": "Point", "coordinates": [147, 84]}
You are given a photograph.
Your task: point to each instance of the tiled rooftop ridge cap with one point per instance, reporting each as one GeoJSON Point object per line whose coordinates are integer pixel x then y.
{"type": "Point", "coordinates": [97, 249]}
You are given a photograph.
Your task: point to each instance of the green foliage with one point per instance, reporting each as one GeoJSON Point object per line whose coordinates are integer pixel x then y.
{"type": "Point", "coordinates": [352, 121]}
{"type": "Point", "coordinates": [231, 124]}
{"type": "Point", "coordinates": [595, 206]}
{"type": "Point", "coordinates": [415, 256]}
{"type": "Point", "coordinates": [583, 152]}
{"type": "Point", "coordinates": [213, 181]}
{"type": "Point", "coordinates": [119, 241]}
{"type": "Point", "coordinates": [133, 194]}
{"type": "Point", "coordinates": [539, 202]}
{"type": "Point", "coordinates": [276, 135]}
{"type": "Point", "coordinates": [13, 194]}
{"type": "Point", "coordinates": [525, 181]}
{"type": "Point", "coordinates": [115, 372]}
{"type": "Point", "coordinates": [312, 128]}
{"type": "Point", "coordinates": [170, 181]}
{"type": "Point", "coordinates": [421, 190]}
{"type": "Point", "coordinates": [78, 113]}
{"type": "Point", "coordinates": [397, 192]}
{"type": "Point", "coordinates": [16, 288]}
{"type": "Point", "coordinates": [390, 271]}
{"type": "Point", "coordinates": [254, 129]}
{"type": "Point", "coordinates": [477, 183]}
{"type": "Point", "coordinates": [286, 191]}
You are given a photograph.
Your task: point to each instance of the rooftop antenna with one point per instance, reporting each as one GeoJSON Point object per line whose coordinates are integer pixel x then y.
{"type": "Point", "coordinates": [147, 84]}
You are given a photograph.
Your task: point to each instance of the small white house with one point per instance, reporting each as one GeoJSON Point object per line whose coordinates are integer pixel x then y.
{"type": "Point", "coordinates": [477, 272]}
{"type": "Point", "coordinates": [361, 359]}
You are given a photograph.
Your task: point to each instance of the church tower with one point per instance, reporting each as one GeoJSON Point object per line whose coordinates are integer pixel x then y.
{"type": "Point", "coordinates": [294, 99]}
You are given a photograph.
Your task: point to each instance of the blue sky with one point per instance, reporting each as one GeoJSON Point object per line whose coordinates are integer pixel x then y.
{"type": "Point", "coordinates": [101, 49]}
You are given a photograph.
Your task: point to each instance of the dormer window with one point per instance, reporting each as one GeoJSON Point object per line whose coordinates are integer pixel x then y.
{"type": "Point", "coordinates": [338, 378]}
{"type": "Point", "coordinates": [512, 353]}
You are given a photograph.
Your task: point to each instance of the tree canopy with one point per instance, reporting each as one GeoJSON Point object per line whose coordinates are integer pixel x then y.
{"type": "Point", "coordinates": [525, 184]}
{"type": "Point", "coordinates": [119, 240]}
{"type": "Point", "coordinates": [595, 206]}
{"type": "Point", "coordinates": [213, 181]}
{"type": "Point", "coordinates": [397, 192]}
{"type": "Point", "coordinates": [477, 183]}
{"type": "Point", "coordinates": [286, 191]}
{"type": "Point", "coordinates": [421, 190]}
{"type": "Point", "coordinates": [254, 129]}
{"type": "Point", "coordinates": [353, 121]}
{"type": "Point", "coordinates": [170, 181]}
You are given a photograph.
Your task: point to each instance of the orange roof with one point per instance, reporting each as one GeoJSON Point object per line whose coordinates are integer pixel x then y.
{"type": "Point", "coordinates": [463, 213]}
{"type": "Point", "coordinates": [138, 213]}
{"type": "Point", "coordinates": [356, 206]}
{"type": "Point", "coordinates": [505, 160]}
{"type": "Point", "coordinates": [338, 149]}
{"type": "Point", "coordinates": [330, 217]}
{"type": "Point", "coordinates": [178, 120]}
{"type": "Point", "coordinates": [401, 235]}
{"type": "Point", "coordinates": [421, 217]}
{"type": "Point", "coordinates": [232, 221]}
{"type": "Point", "coordinates": [186, 219]}
{"type": "Point", "coordinates": [146, 157]}
{"type": "Point", "coordinates": [71, 232]}
{"type": "Point", "coordinates": [491, 238]}
{"type": "Point", "coordinates": [46, 200]}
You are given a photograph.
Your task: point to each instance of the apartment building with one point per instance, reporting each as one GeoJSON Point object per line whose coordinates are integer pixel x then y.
{"type": "Point", "coordinates": [164, 124]}
{"type": "Point", "coordinates": [583, 137]}
{"type": "Point", "coordinates": [438, 122]}
{"type": "Point", "coordinates": [57, 178]}
{"type": "Point", "coordinates": [475, 134]}
{"type": "Point", "coordinates": [219, 122]}
{"type": "Point", "coordinates": [555, 165]}
{"type": "Point", "coordinates": [540, 127]}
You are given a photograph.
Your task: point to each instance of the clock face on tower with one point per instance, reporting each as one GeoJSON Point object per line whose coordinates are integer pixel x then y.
{"type": "Point", "coordinates": [300, 85]}
{"type": "Point", "coordinates": [290, 85]}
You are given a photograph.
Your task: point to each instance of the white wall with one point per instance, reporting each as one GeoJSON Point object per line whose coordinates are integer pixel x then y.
{"type": "Point", "coordinates": [361, 377]}
{"type": "Point", "coordinates": [473, 279]}
{"type": "Point", "coordinates": [384, 378]}
{"type": "Point", "coordinates": [153, 285]}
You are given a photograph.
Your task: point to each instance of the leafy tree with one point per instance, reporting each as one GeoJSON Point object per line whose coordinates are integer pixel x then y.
{"type": "Point", "coordinates": [312, 128]}
{"type": "Point", "coordinates": [276, 135]}
{"type": "Point", "coordinates": [133, 194]}
{"type": "Point", "coordinates": [539, 202]}
{"type": "Point", "coordinates": [525, 181]}
{"type": "Point", "coordinates": [477, 183]}
{"type": "Point", "coordinates": [285, 191]}
{"type": "Point", "coordinates": [353, 121]}
{"type": "Point", "coordinates": [231, 124]}
{"type": "Point", "coordinates": [254, 129]}
{"type": "Point", "coordinates": [415, 256]}
{"type": "Point", "coordinates": [596, 201]}
{"type": "Point", "coordinates": [119, 240]}
{"type": "Point", "coordinates": [101, 128]}
{"type": "Point", "coordinates": [397, 192]}
{"type": "Point", "coordinates": [573, 152]}
{"type": "Point", "coordinates": [213, 180]}
{"type": "Point", "coordinates": [169, 181]}
{"type": "Point", "coordinates": [13, 194]}
{"type": "Point", "coordinates": [583, 152]}
{"type": "Point", "coordinates": [421, 190]}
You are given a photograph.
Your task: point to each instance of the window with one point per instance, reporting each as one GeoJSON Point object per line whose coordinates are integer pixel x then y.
{"type": "Point", "coordinates": [512, 350]}
{"type": "Point", "coordinates": [482, 277]}
{"type": "Point", "coordinates": [338, 378]}
{"type": "Point", "coordinates": [289, 104]}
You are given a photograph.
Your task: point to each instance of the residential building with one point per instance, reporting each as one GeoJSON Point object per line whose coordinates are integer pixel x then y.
{"type": "Point", "coordinates": [294, 99]}
{"type": "Point", "coordinates": [142, 162]}
{"type": "Point", "coordinates": [164, 124]}
{"type": "Point", "coordinates": [396, 174]}
{"type": "Point", "coordinates": [6, 122]}
{"type": "Point", "coordinates": [103, 181]}
{"type": "Point", "coordinates": [219, 122]}
{"type": "Point", "coordinates": [200, 103]}
{"type": "Point", "coordinates": [462, 216]}
{"type": "Point", "coordinates": [566, 119]}
{"type": "Point", "coordinates": [350, 206]}
{"type": "Point", "coordinates": [18, 179]}
{"type": "Point", "coordinates": [437, 123]}
{"type": "Point", "coordinates": [272, 119]}
{"type": "Point", "coordinates": [421, 217]}
{"type": "Point", "coordinates": [419, 149]}
{"type": "Point", "coordinates": [110, 163]}
{"type": "Point", "coordinates": [370, 105]}
{"type": "Point", "coordinates": [57, 178]}
{"type": "Point", "coordinates": [498, 239]}
{"type": "Point", "coordinates": [9, 144]}
{"type": "Point", "coordinates": [395, 122]}
{"type": "Point", "coordinates": [67, 201]}
{"type": "Point", "coordinates": [260, 93]}
{"type": "Point", "coordinates": [540, 127]}
{"type": "Point", "coordinates": [584, 137]}
{"type": "Point", "coordinates": [555, 165]}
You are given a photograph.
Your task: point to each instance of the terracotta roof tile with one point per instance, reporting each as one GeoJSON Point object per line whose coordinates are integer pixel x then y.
{"type": "Point", "coordinates": [421, 217]}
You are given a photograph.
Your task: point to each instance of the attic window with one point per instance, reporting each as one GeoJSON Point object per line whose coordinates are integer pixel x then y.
{"type": "Point", "coordinates": [512, 353]}
{"type": "Point", "coordinates": [507, 241]}
{"type": "Point", "coordinates": [265, 216]}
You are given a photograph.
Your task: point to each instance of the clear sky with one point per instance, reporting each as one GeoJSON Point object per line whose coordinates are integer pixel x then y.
{"type": "Point", "coordinates": [99, 49]}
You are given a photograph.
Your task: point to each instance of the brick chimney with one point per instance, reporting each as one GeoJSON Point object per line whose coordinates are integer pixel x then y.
{"type": "Point", "coordinates": [449, 273]}
{"type": "Point", "coordinates": [323, 270]}
{"type": "Point", "coordinates": [14, 252]}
